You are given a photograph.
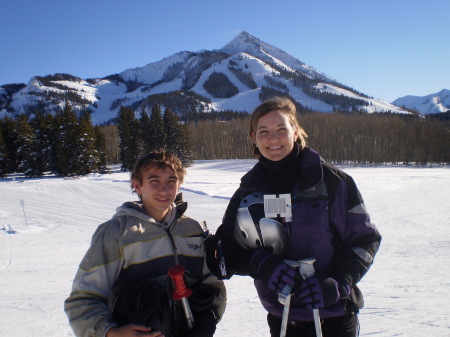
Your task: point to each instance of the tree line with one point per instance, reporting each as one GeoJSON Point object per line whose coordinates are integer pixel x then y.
{"type": "Point", "coordinates": [151, 132]}
{"type": "Point", "coordinates": [64, 143]}
{"type": "Point", "coordinates": [356, 139]}
{"type": "Point", "coordinates": [68, 144]}
{"type": "Point", "coordinates": [378, 139]}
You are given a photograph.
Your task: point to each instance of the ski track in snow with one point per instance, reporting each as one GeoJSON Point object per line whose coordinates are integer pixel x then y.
{"type": "Point", "coordinates": [5, 246]}
{"type": "Point", "coordinates": [41, 244]}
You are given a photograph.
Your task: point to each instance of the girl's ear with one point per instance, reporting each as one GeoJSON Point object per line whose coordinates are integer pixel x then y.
{"type": "Point", "coordinates": [296, 132]}
{"type": "Point", "coordinates": [253, 138]}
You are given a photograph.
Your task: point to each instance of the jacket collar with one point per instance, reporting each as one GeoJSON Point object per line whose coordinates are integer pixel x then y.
{"type": "Point", "coordinates": [309, 172]}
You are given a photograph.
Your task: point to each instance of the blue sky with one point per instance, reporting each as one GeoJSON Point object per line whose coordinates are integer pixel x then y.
{"type": "Point", "coordinates": [384, 48]}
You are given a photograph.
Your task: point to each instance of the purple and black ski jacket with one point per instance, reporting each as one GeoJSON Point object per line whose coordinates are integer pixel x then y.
{"type": "Point", "coordinates": [329, 223]}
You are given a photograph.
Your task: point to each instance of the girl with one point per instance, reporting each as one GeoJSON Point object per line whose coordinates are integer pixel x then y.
{"type": "Point", "coordinates": [325, 220]}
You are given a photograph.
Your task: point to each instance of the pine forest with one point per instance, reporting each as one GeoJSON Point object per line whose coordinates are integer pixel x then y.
{"type": "Point", "coordinates": [67, 144]}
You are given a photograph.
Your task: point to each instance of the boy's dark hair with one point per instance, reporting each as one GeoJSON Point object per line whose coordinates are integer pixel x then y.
{"type": "Point", "coordinates": [159, 159]}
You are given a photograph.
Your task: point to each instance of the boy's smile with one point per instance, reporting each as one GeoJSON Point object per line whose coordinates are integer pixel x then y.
{"type": "Point", "coordinates": [158, 191]}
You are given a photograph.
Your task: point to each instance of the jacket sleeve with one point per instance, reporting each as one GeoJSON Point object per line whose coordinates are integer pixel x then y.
{"type": "Point", "coordinates": [356, 239]}
{"type": "Point", "coordinates": [87, 305]}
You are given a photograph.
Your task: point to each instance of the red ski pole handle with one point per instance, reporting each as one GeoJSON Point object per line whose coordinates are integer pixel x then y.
{"type": "Point", "coordinates": [176, 273]}
{"type": "Point", "coordinates": [181, 292]}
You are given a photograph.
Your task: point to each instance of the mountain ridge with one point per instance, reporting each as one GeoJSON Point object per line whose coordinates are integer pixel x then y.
{"type": "Point", "coordinates": [429, 104]}
{"type": "Point", "coordinates": [236, 77]}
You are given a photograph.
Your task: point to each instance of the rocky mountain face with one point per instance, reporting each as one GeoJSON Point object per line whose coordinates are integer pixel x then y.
{"type": "Point", "coordinates": [236, 77]}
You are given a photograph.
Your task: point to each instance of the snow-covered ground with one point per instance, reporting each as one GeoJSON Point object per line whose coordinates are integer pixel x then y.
{"type": "Point", "coordinates": [47, 225]}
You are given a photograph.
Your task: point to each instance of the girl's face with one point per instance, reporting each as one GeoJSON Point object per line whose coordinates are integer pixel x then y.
{"type": "Point", "coordinates": [274, 135]}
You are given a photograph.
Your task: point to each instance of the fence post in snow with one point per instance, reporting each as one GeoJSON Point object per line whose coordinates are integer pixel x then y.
{"type": "Point", "coordinates": [22, 203]}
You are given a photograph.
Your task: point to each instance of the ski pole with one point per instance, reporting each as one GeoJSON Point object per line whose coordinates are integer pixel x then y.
{"type": "Point", "coordinates": [181, 292]}
{"type": "Point", "coordinates": [285, 299]}
{"type": "Point", "coordinates": [307, 270]}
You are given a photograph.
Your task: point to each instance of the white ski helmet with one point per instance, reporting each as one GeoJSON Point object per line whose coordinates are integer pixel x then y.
{"type": "Point", "coordinates": [253, 229]}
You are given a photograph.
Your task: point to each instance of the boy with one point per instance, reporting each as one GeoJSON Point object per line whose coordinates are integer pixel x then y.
{"type": "Point", "coordinates": [122, 288]}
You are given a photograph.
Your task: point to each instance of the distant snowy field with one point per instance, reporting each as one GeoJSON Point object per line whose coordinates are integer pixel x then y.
{"type": "Point", "coordinates": [46, 226]}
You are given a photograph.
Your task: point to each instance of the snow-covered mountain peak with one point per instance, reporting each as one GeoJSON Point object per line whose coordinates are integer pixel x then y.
{"type": "Point", "coordinates": [236, 77]}
{"type": "Point", "coordinates": [433, 103]}
{"type": "Point", "coordinates": [247, 43]}
{"type": "Point", "coordinates": [243, 42]}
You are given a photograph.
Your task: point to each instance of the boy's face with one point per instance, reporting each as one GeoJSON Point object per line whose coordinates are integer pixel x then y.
{"type": "Point", "coordinates": [158, 191]}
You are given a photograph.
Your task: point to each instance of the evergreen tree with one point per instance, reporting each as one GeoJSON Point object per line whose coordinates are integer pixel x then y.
{"type": "Point", "coordinates": [178, 140]}
{"type": "Point", "coordinates": [3, 155]}
{"type": "Point", "coordinates": [100, 144]}
{"type": "Point", "coordinates": [50, 134]}
{"type": "Point", "coordinates": [129, 133]}
{"type": "Point", "coordinates": [25, 145]}
{"type": "Point", "coordinates": [157, 131]}
{"type": "Point", "coordinates": [38, 163]}
{"type": "Point", "coordinates": [146, 131]}
{"type": "Point", "coordinates": [10, 138]}
{"type": "Point", "coordinates": [39, 154]}
{"type": "Point", "coordinates": [185, 151]}
{"type": "Point", "coordinates": [152, 128]}
{"type": "Point", "coordinates": [87, 154]}
{"type": "Point", "coordinates": [171, 130]}
{"type": "Point", "coordinates": [136, 141]}
{"type": "Point", "coordinates": [67, 142]}
{"type": "Point", "coordinates": [123, 124]}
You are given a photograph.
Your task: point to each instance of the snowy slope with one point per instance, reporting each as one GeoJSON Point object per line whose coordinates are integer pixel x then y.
{"type": "Point", "coordinates": [433, 103]}
{"type": "Point", "coordinates": [154, 71]}
{"type": "Point", "coordinates": [375, 105]}
{"type": "Point", "coordinates": [46, 226]}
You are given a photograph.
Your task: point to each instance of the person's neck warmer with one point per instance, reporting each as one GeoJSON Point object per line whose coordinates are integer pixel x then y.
{"type": "Point", "coordinates": [281, 175]}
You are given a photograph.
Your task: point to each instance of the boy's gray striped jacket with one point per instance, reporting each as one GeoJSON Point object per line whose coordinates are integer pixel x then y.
{"type": "Point", "coordinates": [130, 247]}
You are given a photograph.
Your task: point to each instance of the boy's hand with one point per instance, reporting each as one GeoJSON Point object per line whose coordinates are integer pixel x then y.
{"type": "Point", "coordinates": [133, 330]}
